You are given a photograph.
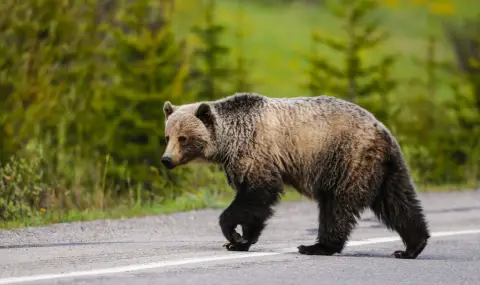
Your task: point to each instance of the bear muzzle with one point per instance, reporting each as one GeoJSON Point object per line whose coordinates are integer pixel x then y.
{"type": "Point", "coordinates": [168, 162]}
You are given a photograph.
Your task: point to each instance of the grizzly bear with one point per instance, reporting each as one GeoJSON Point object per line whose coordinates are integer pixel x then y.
{"type": "Point", "coordinates": [328, 149]}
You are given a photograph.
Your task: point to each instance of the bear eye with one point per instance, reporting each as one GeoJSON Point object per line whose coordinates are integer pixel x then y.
{"type": "Point", "coordinates": [182, 139]}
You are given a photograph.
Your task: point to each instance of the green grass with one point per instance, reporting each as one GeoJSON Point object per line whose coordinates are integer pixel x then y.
{"type": "Point", "coordinates": [188, 202]}
{"type": "Point", "coordinates": [448, 187]}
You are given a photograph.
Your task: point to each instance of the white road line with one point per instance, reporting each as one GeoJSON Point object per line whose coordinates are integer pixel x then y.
{"type": "Point", "coordinates": [231, 255]}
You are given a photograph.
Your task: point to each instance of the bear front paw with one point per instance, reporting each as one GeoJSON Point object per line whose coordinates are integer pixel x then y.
{"type": "Point", "coordinates": [237, 246]}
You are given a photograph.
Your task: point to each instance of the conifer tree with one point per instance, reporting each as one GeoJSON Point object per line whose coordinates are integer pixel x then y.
{"type": "Point", "coordinates": [150, 70]}
{"type": "Point", "coordinates": [354, 80]}
{"type": "Point", "coordinates": [425, 117]}
{"type": "Point", "coordinates": [211, 71]}
{"type": "Point", "coordinates": [44, 55]}
{"type": "Point", "coordinates": [242, 82]}
{"type": "Point", "coordinates": [464, 38]}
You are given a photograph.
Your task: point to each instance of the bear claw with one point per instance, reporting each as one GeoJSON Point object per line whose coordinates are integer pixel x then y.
{"type": "Point", "coordinates": [410, 253]}
{"type": "Point", "coordinates": [237, 246]}
{"type": "Point", "coordinates": [401, 254]}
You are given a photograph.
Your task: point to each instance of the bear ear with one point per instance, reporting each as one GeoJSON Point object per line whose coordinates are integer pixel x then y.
{"type": "Point", "coordinates": [204, 114]}
{"type": "Point", "coordinates": [168, 109]}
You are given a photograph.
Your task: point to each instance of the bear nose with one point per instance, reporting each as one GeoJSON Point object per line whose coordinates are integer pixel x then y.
{"type": "Point", "coordinates": [168, 162]}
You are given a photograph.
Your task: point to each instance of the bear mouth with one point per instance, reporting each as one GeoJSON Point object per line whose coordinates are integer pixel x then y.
{"type": "Point", "coordinates": [168, 163]}
{"type": "Point", "coordinates": [170, 166]}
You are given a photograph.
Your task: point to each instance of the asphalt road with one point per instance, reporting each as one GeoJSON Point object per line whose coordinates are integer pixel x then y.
{"type": "Point", "coordinates": [186, 248]}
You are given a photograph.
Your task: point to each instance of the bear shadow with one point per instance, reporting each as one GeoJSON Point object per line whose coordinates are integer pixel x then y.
{"type": "Point", "coordinates": [384, 255]}
{"type": "Point", "coordinates": [375, 255]}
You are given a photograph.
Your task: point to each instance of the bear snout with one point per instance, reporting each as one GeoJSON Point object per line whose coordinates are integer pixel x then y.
{"type": "Point", "coordinates": [168, 162]}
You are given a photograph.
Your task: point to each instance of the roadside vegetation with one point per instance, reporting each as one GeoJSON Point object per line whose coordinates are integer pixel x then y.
{"type": "Point", "coordinates": [82, 85]}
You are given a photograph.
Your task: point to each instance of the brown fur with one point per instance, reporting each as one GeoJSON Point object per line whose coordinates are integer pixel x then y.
{"type": "Point", "coordinates": [328, 149]}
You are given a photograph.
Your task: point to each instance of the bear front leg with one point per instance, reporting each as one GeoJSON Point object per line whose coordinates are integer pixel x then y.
{"type": "Point", "coordinates": [251, 209]}
{"type": "Point", "coordinates": [229, 219]}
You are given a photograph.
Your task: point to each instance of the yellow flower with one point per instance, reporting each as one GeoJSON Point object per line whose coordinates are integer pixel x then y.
{"type": "Point", "coordinates": [391, 3]}
{"type": "Point", "coordinates": [419, 2]}
{"type": "Point", "coordinates": [442, 8]}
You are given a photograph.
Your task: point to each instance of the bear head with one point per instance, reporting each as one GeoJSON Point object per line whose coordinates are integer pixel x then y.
{"type": "Point", "coordinates": [188, 133]}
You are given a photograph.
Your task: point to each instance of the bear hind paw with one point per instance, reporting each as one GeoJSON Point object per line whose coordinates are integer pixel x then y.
{"type": "Point", "coordinates": [410, 253]}
{"type": "Point", "coordinates": [316, 249]}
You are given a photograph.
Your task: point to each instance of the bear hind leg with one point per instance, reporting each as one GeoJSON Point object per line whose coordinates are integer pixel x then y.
{"type": "Point", "coordinates": [398, 207]}
{"type": "Point", "coordinates": [337, 218]}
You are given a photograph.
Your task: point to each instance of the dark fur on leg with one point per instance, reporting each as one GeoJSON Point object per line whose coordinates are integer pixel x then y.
{"type": "Point", "coordinates": [341, 197]}
{"type": "Point", "coordinates": [337, 219]}
{"type": "Point", "coordinates": [398, 207]}
{"type": "Point", "coordinates": [252, 220]}
{"type": "Point", "coordinates": [251, 209]}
